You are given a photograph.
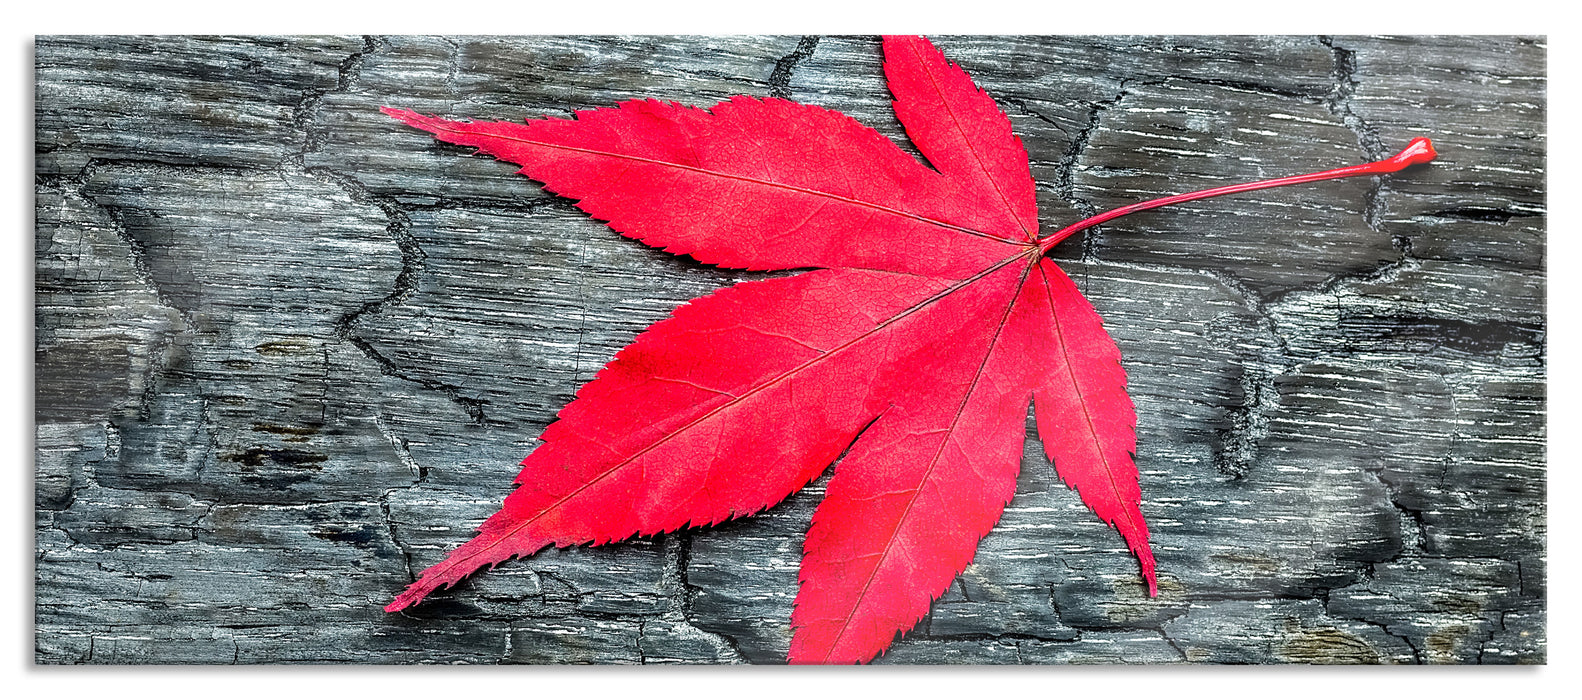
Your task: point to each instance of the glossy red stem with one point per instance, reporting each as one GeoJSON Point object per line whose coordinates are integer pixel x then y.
{"type": "Point", "coordinates": [1420, 150]}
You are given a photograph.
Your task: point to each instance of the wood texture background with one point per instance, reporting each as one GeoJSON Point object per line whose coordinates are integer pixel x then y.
{"type": "Point", "coordinates": [289, 352]}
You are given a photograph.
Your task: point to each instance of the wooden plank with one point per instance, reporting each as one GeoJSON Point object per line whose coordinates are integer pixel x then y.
{"type": "Point", "coordinates": [289, 353]}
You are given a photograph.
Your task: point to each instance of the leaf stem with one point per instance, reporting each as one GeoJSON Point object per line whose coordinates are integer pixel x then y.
{"type": "Point", "coordinates": [1420, 150]}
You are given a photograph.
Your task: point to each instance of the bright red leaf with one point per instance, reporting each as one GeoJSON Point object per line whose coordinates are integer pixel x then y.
{"type": "Point", "coordinates": [932, 321]}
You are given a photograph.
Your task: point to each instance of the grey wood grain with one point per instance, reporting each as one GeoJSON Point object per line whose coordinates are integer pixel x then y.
{"type": "Point", "coordinates": [290, 352]}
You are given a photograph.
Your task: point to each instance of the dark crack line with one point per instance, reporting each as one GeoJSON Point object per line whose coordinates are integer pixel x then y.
{"type": "Point", "coordinates": [452, 68]}
{"type": "Point", "coordinates": [1413, 526]}
{"type": "Point", "coordinates": [307, 109]}
{"type": "Point", "coordinates": [1258, 88]}
{"type": "Point", "coordinates": [148, 163]}
{"type": "Point", "coordinates": [681, 594]}
{"type": "Point", "coordinates": [1236, 447]}
{"type": "Point", "coordinates": [1452, 449]}
{"type": "Point", "coordinates": [1159, 628]}
{"type": "Point", "coordinates": [212, 445]}
{"type": "Point", "coordinates": [399, 226]}
{"type": "Point", "coordinates": [143, 269]}
{"type": "Point", "coordinates": [1335, 286]}
{"type": "Point", "coordinates": [1023, 106]}
{"type": "Point", "coordinates": [780, 79]}
{"type": "Point", "coordinates": [642, 628]}
{"type": "Point", "coordinates": [1174, 645]}
{"type": "Point", "coordinates": [1011, 637]}
{"type": "Point", "coordinates": [1339, 103]}
{"type": "Point", "coordinates": [414, 261]}
{"type": "Point", "coordinates": [509, 642]}
{"type": "Point", "coordinates": [473, 407]}
{"type": "Point", "coordinates": [678, 553]}
{"type": "Point", "coordinates": [582, 312]}
{"type": "Point", "coordinates": [1417, 656]}
{"type": "Point", "coordinates": [474, 205]}
{"type": "Point", "coordinates": [576, 595]}
{"type": "Point", "coordinates": [197, 525]}
{"type": "Point", "coordinates": [1065, 185]}
{"type": "Point", "coordinates": [395, 538]}
{"type": "Point", "coordinates": [324, 387]}
{"type": "Point", "coordinates": [161, 344]}
{"type": "Point", "coordinates": [1065, 180]}
{"type": "Point", "coordinates": [1410, 525]}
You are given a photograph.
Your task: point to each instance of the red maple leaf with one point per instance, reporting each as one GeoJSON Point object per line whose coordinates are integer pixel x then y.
{"type": "Point", "coordinates": [931, 320]}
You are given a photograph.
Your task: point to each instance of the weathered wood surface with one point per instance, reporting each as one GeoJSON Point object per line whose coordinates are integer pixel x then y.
{"type": "Point", "coordinates": [289, 352]}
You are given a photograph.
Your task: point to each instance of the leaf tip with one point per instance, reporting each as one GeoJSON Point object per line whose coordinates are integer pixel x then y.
{"type": "Point", "coordinates": [403, 601]}
{"type": "Point", "coordinates": [413, 595]}
{"type": "Point", "coordinates": [410, 118]}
